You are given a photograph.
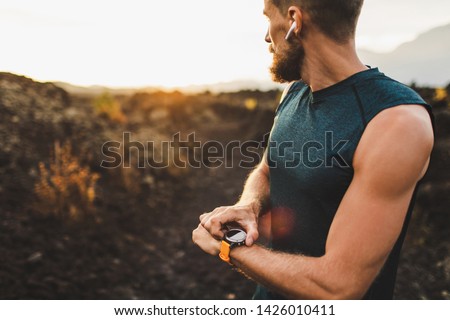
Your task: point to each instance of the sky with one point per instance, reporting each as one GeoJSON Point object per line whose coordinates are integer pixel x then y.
{"type": "Point", "coordinates": [171, 43]}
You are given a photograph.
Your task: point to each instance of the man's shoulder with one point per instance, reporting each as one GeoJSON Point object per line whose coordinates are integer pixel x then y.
{"type": "Point", "coordinates": [383, 89]}
{"type": "Point", "coordinates": [292, 87]}
{"type": "Point", "coordinates": [400, 132]}
{"type": "Point", "coordinates": [380, 93]}
{"type": "Point", "coordinates": [408, 118]}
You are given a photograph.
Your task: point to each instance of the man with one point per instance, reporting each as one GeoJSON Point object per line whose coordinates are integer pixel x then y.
{"type": "Point", "coordinates": [346, 152]}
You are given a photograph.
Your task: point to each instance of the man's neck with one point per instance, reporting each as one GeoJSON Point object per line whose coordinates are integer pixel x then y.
{"type": "Point", "coordinates": [327, 63]}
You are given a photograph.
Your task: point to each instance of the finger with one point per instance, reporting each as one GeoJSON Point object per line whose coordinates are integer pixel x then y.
{"type": "Point", "coordinates": [203, 216]}
{"type": "Point", "coordinates": [213, 249]}
{"type": "Point", "coordinates": [203, 239]}
{"type": "Point", "coordinates": [233, 219]}
{"type": "Point", "coordinates": [238, 219]}
{"type": "Point", "coordinates": [252, 233]}
{"type": "Point", "coordinates": [252, 236]}
{"type": "Point", "coordinates": [206, 216]}
{"type": "Point", "coordinates": [217, 234]}
{"type": "Point", "coordinates": [195, 235]}
{"type": "Point", "coordinates": [221, 218]}
{"type": "Point", "coordinates": [218, 220]}
{"type": "Point", "coordinates": [233, 225]}
{"type": "Point", "coordinates": [215, 227]}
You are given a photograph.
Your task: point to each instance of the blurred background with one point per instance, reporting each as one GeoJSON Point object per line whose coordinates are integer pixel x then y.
{"type": "Point", "coordinates": [76, 74]}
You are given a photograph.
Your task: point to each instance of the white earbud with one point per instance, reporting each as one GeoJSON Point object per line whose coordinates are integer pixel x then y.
{"type": "Point", "coordinates": [291, 30]}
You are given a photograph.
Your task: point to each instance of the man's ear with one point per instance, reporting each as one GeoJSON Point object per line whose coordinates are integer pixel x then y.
{"type": "Point", "coordinates": [295, 15]}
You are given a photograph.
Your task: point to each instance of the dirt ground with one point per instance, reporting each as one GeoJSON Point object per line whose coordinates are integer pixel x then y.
{"type": "Point", "coordinates": [138, 244]}
{"type": "Point", "coordinates": [149, 254]}
{"type": "Point", "coordinates": [140, 255]}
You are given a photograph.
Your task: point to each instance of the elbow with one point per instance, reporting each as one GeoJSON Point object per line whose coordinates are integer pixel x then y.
{"type": "Point", "coordinates": [347, 290]}
{"type": "Point", "coordinates": [342, 281]}
{"type": "Point", "coordinates": [334, 281]}
{"type": "Point", "coordinates": [349, 294]}
{"type": "Point", "coordinates": [332, 291]}
{"type": "Point", "coordinates": [340, 284]}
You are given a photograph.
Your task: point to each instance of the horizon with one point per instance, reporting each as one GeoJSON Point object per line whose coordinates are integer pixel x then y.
{"type": "Point", "coordinates": [108, 44]}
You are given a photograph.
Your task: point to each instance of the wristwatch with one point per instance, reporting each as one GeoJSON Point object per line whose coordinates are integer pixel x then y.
{"type": "Point", "coordinates": [233, 238]}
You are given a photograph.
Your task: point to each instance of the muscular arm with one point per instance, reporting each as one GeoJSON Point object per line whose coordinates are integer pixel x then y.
{"type": "Point", "coordinates": [391, 158]}
{"type": "Point", "coordinates": [247, 210]}
{"type": "Point", "coordinates": [256, 188]}
{"type": "Point", "coordinates": [250, 206]}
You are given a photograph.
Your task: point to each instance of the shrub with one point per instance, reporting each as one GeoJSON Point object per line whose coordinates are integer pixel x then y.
{"type": "Point", "coordinates": [66, 189]}
{"type": "Point", "coordinates": [106, 105]}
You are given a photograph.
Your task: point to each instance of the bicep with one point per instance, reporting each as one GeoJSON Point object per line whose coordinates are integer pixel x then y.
{"type": "Point", "coordinates": [365, 229]}
{"type": "Point", "coordinates": [388, 163]}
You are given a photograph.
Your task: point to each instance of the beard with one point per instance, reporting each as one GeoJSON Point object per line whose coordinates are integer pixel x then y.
{"type": "Point", "coordinates": [287, 65]}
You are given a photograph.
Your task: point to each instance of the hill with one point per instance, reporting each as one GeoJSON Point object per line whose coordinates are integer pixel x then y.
{"type": "Point", "coordinates": [424, 60]}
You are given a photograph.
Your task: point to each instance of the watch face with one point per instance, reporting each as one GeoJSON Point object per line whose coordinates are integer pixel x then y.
{"type": "Point", "coordinates": [236, 235]}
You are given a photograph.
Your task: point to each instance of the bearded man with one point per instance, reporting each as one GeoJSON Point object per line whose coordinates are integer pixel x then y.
{"type": "Point", "coordinates": [346, 153]}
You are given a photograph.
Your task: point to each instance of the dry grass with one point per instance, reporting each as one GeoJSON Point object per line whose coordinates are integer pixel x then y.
{"type": "Point", "coordinates": [106, 105]}
{"type": "Point", "coordinates": [65, 189]}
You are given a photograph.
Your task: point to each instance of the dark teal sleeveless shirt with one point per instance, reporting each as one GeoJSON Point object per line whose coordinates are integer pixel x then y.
{"type": "Point", "coordinates": [310, 155]}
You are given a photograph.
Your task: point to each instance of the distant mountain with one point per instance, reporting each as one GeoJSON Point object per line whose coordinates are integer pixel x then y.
{"type": "Point", "coordinates": [93, 90]}
{"type": "Point", "coordinates": [232, 86]}
{"type": "Point", "coordinates": [426, 60]}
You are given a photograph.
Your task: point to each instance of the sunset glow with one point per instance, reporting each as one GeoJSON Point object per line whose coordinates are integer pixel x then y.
{"type": "Point", "coordinates": [176, 43]}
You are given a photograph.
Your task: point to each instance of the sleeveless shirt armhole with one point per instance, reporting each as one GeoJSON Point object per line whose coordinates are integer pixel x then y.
{"type": "Point", "coordinates": [366, 117]}
{"type": "Point", "coordinates": [360, 107]}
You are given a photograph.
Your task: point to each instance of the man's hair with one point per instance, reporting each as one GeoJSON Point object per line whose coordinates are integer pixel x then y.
{"type": "Point", "coordinates": [335, 18]}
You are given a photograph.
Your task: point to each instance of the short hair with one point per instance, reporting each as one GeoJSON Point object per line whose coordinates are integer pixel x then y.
{"type": "Point", "coordinates": [337, 19]}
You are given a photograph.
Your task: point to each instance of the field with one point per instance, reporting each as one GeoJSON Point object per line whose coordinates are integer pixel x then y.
{"type": "Point", "coordinates": [71, 228]}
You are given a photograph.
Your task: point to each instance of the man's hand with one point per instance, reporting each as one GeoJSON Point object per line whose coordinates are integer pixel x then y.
{"type": "Point", "coordinates": [246, 212]}
{"type": "Point", "coordinates": [205, 241]}
{"type": "Point", "coordinates": [245, 215]}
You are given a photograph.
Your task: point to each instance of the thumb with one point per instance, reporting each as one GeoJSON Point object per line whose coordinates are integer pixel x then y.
{"type": "Point", "coordinates": [252, 235]}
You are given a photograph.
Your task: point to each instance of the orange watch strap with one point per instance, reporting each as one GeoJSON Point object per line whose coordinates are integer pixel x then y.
{"type": "Point", "coordinates": [225, 252]}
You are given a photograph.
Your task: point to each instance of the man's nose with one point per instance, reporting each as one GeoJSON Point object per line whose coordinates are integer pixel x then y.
{"type": "Point", "coordinates": [268, 40]}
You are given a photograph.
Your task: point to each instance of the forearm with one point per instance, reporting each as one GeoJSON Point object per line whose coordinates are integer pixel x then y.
{"type": "Point", "coordinates": [292, 275]}
{"type": "Point", "coordinates": [256, 190]}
